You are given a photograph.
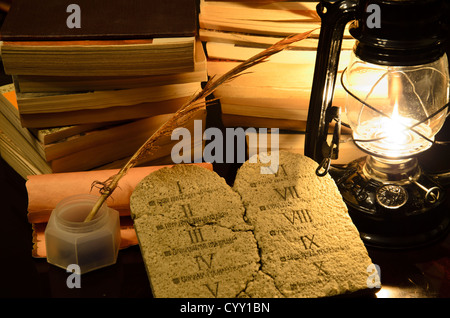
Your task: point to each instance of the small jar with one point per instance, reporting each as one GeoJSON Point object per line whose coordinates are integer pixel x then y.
{"type": "Point", "coordinates": [70, 240]}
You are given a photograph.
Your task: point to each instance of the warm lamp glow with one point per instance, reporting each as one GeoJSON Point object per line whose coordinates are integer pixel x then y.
{"type": "Point", "coordinates": [394, 130]}
{"type": "Point", "coordinates": [396, 110]}
{"type": "Point", "coordinates": [392, 137]}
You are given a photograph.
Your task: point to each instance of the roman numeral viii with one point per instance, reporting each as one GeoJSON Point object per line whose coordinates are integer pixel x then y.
{"type": "Point", "coordinates": [301, 216]}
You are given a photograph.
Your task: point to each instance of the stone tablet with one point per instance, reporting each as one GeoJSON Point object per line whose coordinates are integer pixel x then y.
{"type": "Point", "coordinates": [192, 234]}
{"type": "Point", "coordinates": [308, 244]}
{"type": "Point", "coordinates": [286, 234]}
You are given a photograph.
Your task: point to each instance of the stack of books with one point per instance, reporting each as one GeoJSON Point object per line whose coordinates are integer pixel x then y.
{"type": "Point", "coordinates": [276, 93]}
{"type": "Point", "coordinates": [87, 98]}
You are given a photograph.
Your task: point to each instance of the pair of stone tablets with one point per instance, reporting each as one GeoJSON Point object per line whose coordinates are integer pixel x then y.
{"type": "Point", "coordinates": [286, 234]}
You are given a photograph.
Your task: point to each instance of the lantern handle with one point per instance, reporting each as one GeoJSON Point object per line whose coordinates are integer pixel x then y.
{"type": "Point", "coordinates": [331, 151]}
{"type": "Point", "coordinates": [334, 16]}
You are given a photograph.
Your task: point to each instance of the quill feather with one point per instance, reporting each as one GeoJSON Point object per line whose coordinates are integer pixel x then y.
{"type": "Point", "coordinates": [186, 111]}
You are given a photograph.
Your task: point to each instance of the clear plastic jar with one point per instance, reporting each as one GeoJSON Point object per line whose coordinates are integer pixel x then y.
{"type": "Point", "coordinates": [70, 240]}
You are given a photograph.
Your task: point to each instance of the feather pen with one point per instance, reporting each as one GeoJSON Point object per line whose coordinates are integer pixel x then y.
{"type": "Point", "coordinates": [187, 111]}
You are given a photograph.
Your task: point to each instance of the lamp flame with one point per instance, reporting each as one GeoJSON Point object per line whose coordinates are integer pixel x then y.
{"type": "Point", "coordinates": [394, 130]}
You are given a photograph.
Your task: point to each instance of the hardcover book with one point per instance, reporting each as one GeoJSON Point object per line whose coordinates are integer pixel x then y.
{"type": "Point", "coordinates": [99, 20]}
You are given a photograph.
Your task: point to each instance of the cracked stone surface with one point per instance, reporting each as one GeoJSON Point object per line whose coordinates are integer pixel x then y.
{"type": "Point", "coordinates": [191, 230]}
{"type": "Point", "coordinates": [278, 235]}
{"type": "Point", "coordinates": [308, 244]}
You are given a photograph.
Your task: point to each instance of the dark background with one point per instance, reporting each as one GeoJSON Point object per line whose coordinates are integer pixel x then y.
{"type": "Point", "coordinates": [419, 273]}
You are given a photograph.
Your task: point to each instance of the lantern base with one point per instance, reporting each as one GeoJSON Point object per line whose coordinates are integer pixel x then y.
{"type": "Point", "coordinates": [398, 212]}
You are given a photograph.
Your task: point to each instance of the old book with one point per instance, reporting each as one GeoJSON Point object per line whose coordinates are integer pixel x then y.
{"type": "Point", "coordinates": [297, 109]}
{"type": "Point", "coordinates": [103, 147]}
{"type": "Point", "coordinates": [277, 89]}
{"type": "Point", "coordinates": [96, 149]}
{"type": "Point", "coordinates": [272, 92]}
{"type": "Point", "coordinates": [10, 122]}
{"type": "Point", "coordinates": [74, 148]}
{"type": "Point", "coordinates": [268, 102]}
{"type": "Point", "coordinates": [81, 143]}
{"type": "Point", "coordinates": [274, 28]}
{"type": "Point", "coordinates": [24, 162]}
{"type": "Point", "coordinates": [39, 139]}
{"type": "Point", "coordinates": [144, 38]}
{"type": "Point", "coordinates": [262, 10]}
{"type": "Point", "coordinates": [285, 124]}
{"type": "Point", "coordinates": [83, 58]}
{"type": "Point", "coordinates": [37, 103]}
{"type": "Point", "coordinates": [197, 240]}
{"type": "Point", "coordinates": [10, 110]}
{"type": "Point", "coordinates": [68, 101]}
{"type": "Point", "coordinates": [118, 133]}
{"type": "Point", "coordinates": [36, 139]}
{"type": "Point", "coordinates": [118, 20]}
{"type": "Point", "coordinates": [48, 136]}
{"type": "Point", "coordinates": [273, 19]}
{"type": "Point", "coordinates": [269, 74]}
{"type": "Point", "coordinates": [262, 122]}
{"type": "Point", "coordinates": [262, 41]}
{"type": "Point", "coordinates": [111, 114]}
{"type": "Point", "coordinates": [58, 84]}
{"type": "Point", "coordinates": [230, 51]}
